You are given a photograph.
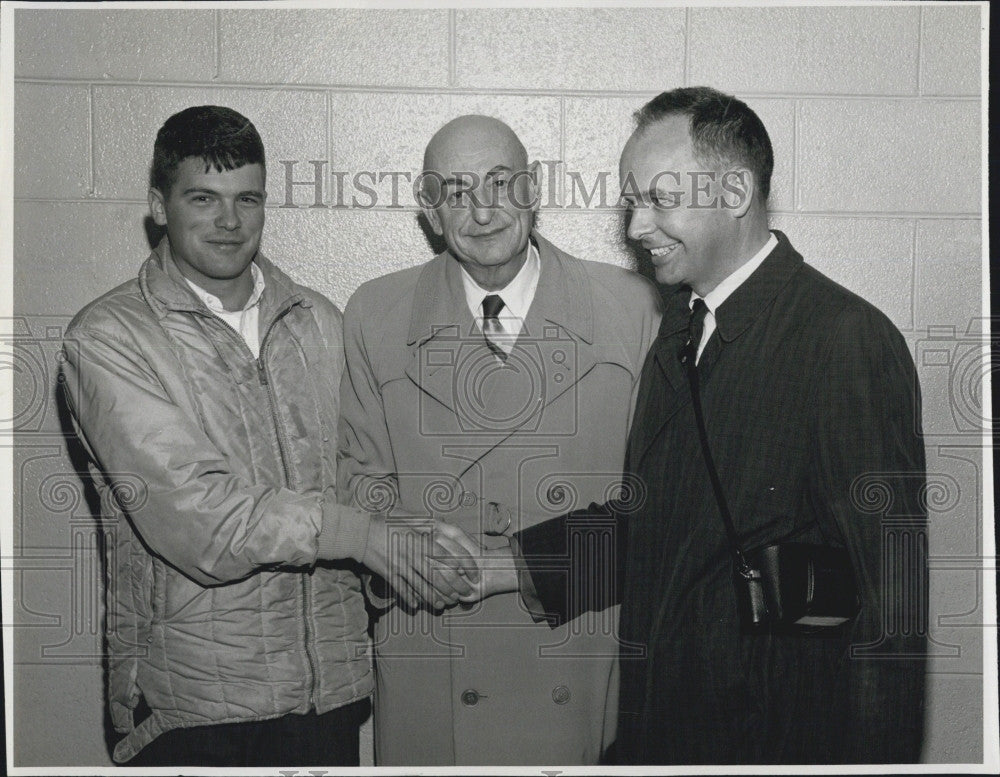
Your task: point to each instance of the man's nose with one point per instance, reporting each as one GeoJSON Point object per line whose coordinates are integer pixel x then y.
{"type": "Point", "coordinates": [228, 217]}
{"type": "Point", "coordinates": [482, 208]}
{"type": "Point", "coordinates": [639, 222]}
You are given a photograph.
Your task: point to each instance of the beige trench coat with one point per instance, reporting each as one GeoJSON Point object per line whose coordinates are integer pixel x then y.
{"type": "Point", "coordinates": [431, 423]}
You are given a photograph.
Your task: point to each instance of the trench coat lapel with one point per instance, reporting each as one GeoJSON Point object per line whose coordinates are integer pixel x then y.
{"type": "Point", "coordinates": [441, 329]}
{"type": "Point", "coordinates": [556, 345]}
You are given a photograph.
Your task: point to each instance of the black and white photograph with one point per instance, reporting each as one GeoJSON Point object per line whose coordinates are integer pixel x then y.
{"type": "Point", "coordinates": [496, 387]}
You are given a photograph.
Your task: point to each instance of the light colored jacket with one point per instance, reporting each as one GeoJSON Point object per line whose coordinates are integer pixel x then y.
{"type": "Point", "coordinates": [217, 476]}
{"type": "Point", "coordinates": [431, 424]}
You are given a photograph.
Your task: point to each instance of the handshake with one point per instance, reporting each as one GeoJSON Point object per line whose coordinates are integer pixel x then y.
{"type": "Point", "coordinates": [435, 564]}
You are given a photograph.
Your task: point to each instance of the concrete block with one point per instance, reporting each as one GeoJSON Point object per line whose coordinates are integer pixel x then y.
{"type": "Point", "coordinates": [380, 47]}
{"type": "Point", "coordinates": [852, 50]}
{"type": "Point", "coordinates": [130, 44]}
{"type": "Point", "coordinates": [952, 364]}
{"type": "Point", "coordinates": [871, 257]}
{"type": "Point", "coordinates": [51, 141]}
{"type": "Point", "coordinates": [363, 140]}
{"type": "Point", "coordinates": [292, 125]}
{"type": "Point", "coordinates": [598, 127]}
{"type": "Point", "coordinates": [596, 130]}
{"type": "Point", "coordinates": [638, 49]}
{"type": "Point", "coordinates": [68, 253]}
{"type": "Point", "coordinates": [953, 727]}
{"type": "Point", "coordinates": [894, 156]}
{"type": "Point", "coordinates": [951, 51]}
{"type": "Point", "coordinates": [598, 236]}
{"type": "Point", "coordinates": [43, 694]}
{"type": "Point", "coordinates": [335, 251]}
{"type": "Point", "coordinates": [949, 273]}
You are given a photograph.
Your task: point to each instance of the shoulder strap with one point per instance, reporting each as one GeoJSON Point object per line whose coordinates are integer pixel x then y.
{"type": "Point", "coordinates": [687, 356]}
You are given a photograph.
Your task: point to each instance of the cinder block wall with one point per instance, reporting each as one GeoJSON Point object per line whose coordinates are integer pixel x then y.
{"type": "Point", "coordinates": [875, 117]}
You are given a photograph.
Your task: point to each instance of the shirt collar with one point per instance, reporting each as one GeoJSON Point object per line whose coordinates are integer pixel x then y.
{"type": "Point", "coordinates": [721, 293]}
{"type": "Point", "coordinates": [517, 295]}
{"type": "Point", "coordinates": [214, 304]}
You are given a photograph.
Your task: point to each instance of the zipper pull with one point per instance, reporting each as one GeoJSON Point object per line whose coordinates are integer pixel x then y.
{"type": "Point", "coordinates": [261, 373]}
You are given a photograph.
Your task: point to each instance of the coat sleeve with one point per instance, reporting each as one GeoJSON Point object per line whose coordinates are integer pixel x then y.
{"type": "Point", "coordinates": [572, 564]}
{"type": "Point", "coordinates": [190, 508]}
{"type": "Point", "coordinates": [869, 481]}
{"type": "Point", "coordinates": [366, 472]}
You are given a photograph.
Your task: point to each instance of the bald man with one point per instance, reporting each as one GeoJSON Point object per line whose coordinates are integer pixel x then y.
{"type": "Point", "coordinates": [493, 387]}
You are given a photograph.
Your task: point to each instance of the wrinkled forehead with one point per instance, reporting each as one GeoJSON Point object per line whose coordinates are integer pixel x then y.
{"type": "Point", "coordinates": [478, 153]}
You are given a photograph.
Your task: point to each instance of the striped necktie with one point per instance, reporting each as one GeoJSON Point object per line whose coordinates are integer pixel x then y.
{"type": "Point", "coordinates": [493, 330]}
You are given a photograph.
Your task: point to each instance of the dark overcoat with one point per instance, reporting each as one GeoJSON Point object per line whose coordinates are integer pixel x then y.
{"type": "Point", "coordinates": [813, 416]}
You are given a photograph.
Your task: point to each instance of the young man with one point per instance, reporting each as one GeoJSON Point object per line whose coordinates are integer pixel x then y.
{"type": "Point", "coordinates": [236, 629]}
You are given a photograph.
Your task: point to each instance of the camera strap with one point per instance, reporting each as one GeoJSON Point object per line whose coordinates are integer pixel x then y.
{"type": "Point", "coordinates": [688, 357]}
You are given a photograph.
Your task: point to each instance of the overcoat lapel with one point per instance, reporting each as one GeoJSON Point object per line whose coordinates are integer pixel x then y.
{"type": "Point", "coordinates": [556, 346]}
{"type": "Point", "coordinates": [734, 316]}
{"type": "Point", "coordinates": [441, 330]}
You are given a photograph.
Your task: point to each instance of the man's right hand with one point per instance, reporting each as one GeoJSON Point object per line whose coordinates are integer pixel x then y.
{"type": "Point", "coordinates": [425, 561]}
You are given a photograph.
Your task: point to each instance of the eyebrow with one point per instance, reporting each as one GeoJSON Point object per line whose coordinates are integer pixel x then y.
{"type": "Point", "coordinates": [202, 190]}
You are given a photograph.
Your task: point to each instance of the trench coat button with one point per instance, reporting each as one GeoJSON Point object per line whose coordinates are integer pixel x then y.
{"type": "Point", "coordinates": [470, 698]}
{"type": "Point", "coordinates": [560, 694]}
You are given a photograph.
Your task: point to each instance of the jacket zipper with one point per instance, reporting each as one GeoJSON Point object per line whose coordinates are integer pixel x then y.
{"type": "Point", "coordinates": [282, 454]}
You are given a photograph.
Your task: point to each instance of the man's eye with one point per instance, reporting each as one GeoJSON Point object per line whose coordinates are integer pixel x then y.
{"type": "Point", "coordinates": [664, 199]}
{"type": "Point", "coordinates": [456, 198]}
{"type": "Point", "coordinates": [200, 198]}
{"type": "Point", "coordinates": [249, 200]}
{"type": "Point", "coordinates": [499, 183]}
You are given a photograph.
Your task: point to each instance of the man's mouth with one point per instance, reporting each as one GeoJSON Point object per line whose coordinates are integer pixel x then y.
{"type": "Point", "coordinates": [663, 250]}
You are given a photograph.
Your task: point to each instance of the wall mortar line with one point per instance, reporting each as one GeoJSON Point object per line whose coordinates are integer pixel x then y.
{"type": "Point", "coordinates": [687, 47]}
{"type": "Point", "coordinates": [914, 248]}
{"type": "Point", "coordinates": [91, 162]}
{"type": "Point", "coordinates": [217, 18]}
{"type": "Point", "coordinates": [497, 92]}
{"type": "Point", "coordinates": [920, 53]}
{"type": "Point", "coordinates": [452, 46]}
{"type": "Point", "coordinates": [795, 155]}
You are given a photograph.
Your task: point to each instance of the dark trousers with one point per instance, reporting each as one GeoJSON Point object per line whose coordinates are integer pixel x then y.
{"type": "Point", "coordinates": [330, 739]}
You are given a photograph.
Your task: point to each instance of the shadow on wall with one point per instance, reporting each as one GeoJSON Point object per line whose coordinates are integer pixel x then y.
{"type": "Point", "coordinates": [78, 458]}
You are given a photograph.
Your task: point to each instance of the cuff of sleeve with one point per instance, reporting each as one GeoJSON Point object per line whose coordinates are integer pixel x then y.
{"type": "Point", "coordinates": [526, 586]}
{"type": "Point", "coordinates": [344, 532]}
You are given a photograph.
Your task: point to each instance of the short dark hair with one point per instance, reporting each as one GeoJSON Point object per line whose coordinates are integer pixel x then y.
{"type": "Point", "coordinates": [723, 129]}
{"type": "Point", "coordinates": [221, 137]}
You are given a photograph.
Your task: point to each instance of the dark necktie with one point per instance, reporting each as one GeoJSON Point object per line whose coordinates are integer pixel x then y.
{"type": "Point", "coordinates": [492, 328]}
{"type": "Point", "coordinates": [696, 326]}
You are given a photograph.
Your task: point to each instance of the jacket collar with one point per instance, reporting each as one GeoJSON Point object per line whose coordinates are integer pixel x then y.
{"type": "Point", "coordinates": [734, 316]}
{"type": "Point", "coordinates": [562, 296]}
{"type": "Point", "coordinates": [166, 289]}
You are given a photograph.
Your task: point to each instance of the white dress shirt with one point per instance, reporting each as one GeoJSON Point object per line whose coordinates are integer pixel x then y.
{"type": "Point", "coordinates": [244, 321]}
{"type": "Point", "coordinates": [721, 293]}
{"type": "Point", "coordinates": [516, 295]}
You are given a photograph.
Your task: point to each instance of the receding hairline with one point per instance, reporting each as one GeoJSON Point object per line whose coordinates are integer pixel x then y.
{"type": "Point", "coordinates": [459, 130]}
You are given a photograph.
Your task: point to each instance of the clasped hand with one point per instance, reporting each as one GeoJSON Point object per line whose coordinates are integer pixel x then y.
{"type": "Point", "coordinates": [432, 563]}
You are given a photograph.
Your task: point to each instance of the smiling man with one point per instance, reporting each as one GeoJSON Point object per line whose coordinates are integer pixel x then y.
{"type": "Point", "coordinates": [501, 373]}
{"type": "Point", "coordinates": [207, 388]}
{"type": "Point", "coordinates": [811, 407]}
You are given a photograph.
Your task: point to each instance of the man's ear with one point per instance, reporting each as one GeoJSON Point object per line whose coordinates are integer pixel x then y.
{"type": "Point", "coordinates": [158, 206]}
{"type": "Point", "coordinates": [428, 204]}
{"type": "Point", "coordinates": [535, 184]}
{"type": "Point", "coordinates": [738, 190]}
